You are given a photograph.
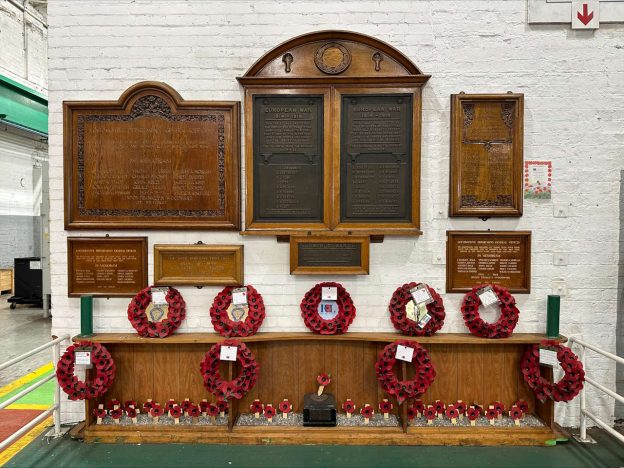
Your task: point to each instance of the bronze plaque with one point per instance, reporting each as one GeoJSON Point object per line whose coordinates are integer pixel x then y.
{"type": "Point", "coordinates": [486, 155]}
{"type": "Point", "coordinates": [376, 158]}
{"type": "Point", "coordinates": [478, 257]}
{"type": "Point", "coordinates": [288, 159]}
{"type": "Point", "coordinates": [152, 160]}
{"type": "Point", "coordinates": [106, 266]}
{"type": "Point", "coordinates": [317, 255]}
{"type": "Point", "coordinates": [198, 265]}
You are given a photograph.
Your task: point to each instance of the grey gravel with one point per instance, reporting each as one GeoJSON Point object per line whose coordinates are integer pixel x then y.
{"type": "Point", "coordinates": [144, 419]}
{"type": "Point", "coordinates": [296, 419]}
{"type": "Point", "coordinates": [527, 421]}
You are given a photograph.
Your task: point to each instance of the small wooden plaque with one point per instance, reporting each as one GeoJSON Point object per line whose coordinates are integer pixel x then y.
{"type": "Point", "coordinates": [106, 266]}
{"type": "Point", "coordinates": [479, 257]}
{"type": "Point", "coordinates": [338, 255]}
{"type": "Point", "coordinates": [486, 154]}
{"type": "Point", "coordinates": [198, 265]}
{"type": "Point", "coordinates": [152, 160]}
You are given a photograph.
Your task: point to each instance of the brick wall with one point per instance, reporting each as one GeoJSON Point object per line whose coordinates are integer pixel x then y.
{"type": "Point", "coordinates": [574, 111]}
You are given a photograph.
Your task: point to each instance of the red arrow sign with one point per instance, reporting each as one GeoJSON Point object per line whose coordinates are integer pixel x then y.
{"type": "Point", "coordinates": [585, 18]}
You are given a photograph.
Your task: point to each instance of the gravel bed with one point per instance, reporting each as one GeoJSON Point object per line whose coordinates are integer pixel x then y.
{"type": "Point", "coordinates": [146, 420]}
{"type": "Point", "coordinates": [527, 421]}
{"type": "Point", "coordinates": [296, 419]}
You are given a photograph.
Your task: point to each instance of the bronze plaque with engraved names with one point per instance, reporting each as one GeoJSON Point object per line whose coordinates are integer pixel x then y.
{"type": "Point", "coordinates": [152, 160]}
{"type": "Point", "coordinates": [198, 265]}
{"type": "Point", "coordinates": [486, 155]}
{"type": "Point", "coordinates": [318, 255]}
{"type": "Point", "coordinates": [106, 266]}
{"type": "Point", "coordinates": [376, 158]}
{"type": "Point", "coordinates": [479, 257]}
{"type": "Point", "coordinates": [288, 159]}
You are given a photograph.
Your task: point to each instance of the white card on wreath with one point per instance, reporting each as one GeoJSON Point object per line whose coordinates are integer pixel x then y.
{"type": "Point", "coordinates": [421, 295]}
{"type": "Point", "coordinates": [158, 297]}
{"type": "Point", "coordinates": [548, 357]}
{"type": "Point", "coordinates": [239, 296]}
{"type": "Point", "coordinates": [487, 296]}
{"type": "Point", "coordinates": [83, 358]}
{"type": "Point", "coordinates": [329, 294]}
{"type": "Point", "coordinates": [404, 353]}
{"type": "Point", "coordinates": [228, 353]}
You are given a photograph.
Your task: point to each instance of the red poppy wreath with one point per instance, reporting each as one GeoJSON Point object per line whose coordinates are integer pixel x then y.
{"type": "Point", "coordinates": [337, 317]}
{"type": "Point", "coordinates": [157, 325]}
{"type": "Point", "coordinates": [564, 390]}
{"type": "Point", "coordinates": [424, 372]}
{"type": "Point", "coordinates": [237, 388]}
{"type": "Point", "coordinates": [231, 319]}
{"type": "Point", "coordinates": [502, 328]}
{"type": "Point", "coordinates": [103, 368]}
{"type": "Point", "coordinates": [403, 322]}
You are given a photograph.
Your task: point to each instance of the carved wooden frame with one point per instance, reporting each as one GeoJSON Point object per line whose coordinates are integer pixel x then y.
{"type": "Point", "coordinates": [517, 131]}
{"type": "Point", "coordinates": [361, 269]}
{"type": "Point", "coordinates": [154, 99]}
{"type": "Point", "coordinates": [450, 258]}
{"type": "Point", "coordinates": [373, 67]}
{"type": "Point", "coordinates": [72, 241]}
{"type": "Point", "coordinates": [236, 252]}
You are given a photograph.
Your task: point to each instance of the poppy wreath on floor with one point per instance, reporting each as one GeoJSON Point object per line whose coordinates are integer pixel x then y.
{"type": "Point", "coordinates": [103, 371]}
{"type": "Point", "coordinates": [228, 389]}
{"type": "Point", "coordinates": [246, 326]}
{"type": "Point", "coordinates": [503, 327]}
{"type": "Point", "coordinates": [176, 312]}
{"type": "Point", "coordinates": [565, 389]}
{"type": "Point", "coordinates": [406, 325]}
{"type": "Point", "coordinates": [424, 372]}
{"type": "Point", "coordinates": [312, 318]}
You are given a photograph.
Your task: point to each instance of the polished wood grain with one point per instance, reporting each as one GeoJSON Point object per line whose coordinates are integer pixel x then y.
{"type": "Point", "coordinates": [496, 257]}
{"type": "Point", "coordinates": [198, 265]}
{"type": "Point", "coordinates": [487, 133]}
{"type": "Point", "coordinates": [151, 160]}
{"type": "Point", "coordinates": [330, 264]}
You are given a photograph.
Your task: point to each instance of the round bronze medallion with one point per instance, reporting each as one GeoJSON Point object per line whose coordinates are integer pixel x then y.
{"type": "Point", "coordinates": [332, 58]}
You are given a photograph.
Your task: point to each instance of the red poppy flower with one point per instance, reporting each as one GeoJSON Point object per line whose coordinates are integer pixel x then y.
{"type": "Point", "coordinates": [99, 413]}
{"type": "Point", "coordinates": [385, 407]}
{"type": "Point", "coordinates": [256, 407]}
{"type": "Point", "coordinates": [285, 406]}
{"type": "Point", "coordinates": [176, 312]}
{"type": "Point", "coordinates": [515, 412]}
{"type": "Point", "coordinates": [116, 413]}
{"type": "Point", "coordinates": [451, 412]}
{"type": "Point", "coordinates": [269, 411]}
{"type": "Point", "coordinates": [461, 407]}
{"type": "Point", "coordinates": [323, 380]}
{"type": "Point", "coordinates": [491, 413]}
{"type": "Point", "coordinates": [222, 406]}
{"type": "Point", "coordinates": [175, 412]}
{"type": "Point", "coordinates": [473, 413]}
{"type": "Point", "coordinates": [367, 411]}
{"type": "Point", "coordinates": [348, 406]}
{"type": "Point", "coordinates": [419, 406]}
{"type": "Point", "coordinates": [523, 405]}
{"type": "Point", "coordinates": [194, 411]}
{"type": "Point", "coordinates": [439, 406]}
{"type": "Point", "coordinates": [499, 407]}
{"type": "Point", "coordinates": [411, 413]}
{"type": "Point", "coordinates": [430, 412]}
{"type": "Point", "coordinates": [110, 405]}
{"type": "Point", "coordinates": [170, 404]}
{"type": "Point", "coordinates": [131, 412]}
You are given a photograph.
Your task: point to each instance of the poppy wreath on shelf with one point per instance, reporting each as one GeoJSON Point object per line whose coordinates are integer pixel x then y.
{"type": "Point", "coordinates": [503, 327]}
{"type": "Point", "coordinates": [228, 389]}
{"type": "Point", "coordinates": [162, 325]}
{"type": "Point", "coordinates": [406, 325]}
{"type": "Point", "coordinates": [237, 319]}
{"type": "Point", "coordinates": [340, 318]}
{"type": "Point", "coordinates": [103, 371]}
{"type": "Point", "coordinates": [424, 372]}
{"type": "Point", "coordinates": [567, 387]}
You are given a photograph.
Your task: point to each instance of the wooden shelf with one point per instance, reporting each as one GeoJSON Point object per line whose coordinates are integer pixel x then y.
{"type": "Point", "coordinates": [208, 338]}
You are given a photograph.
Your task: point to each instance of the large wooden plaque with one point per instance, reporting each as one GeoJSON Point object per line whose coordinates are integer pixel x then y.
{"type": "Point", "coordinates": [198, 265]}
{"type": "Point", "coordinates": [478, 257]}
{"type": "Point", "coordinates": [319, 255]}
{"type": "Point", "coordinates": [288, 159]}
{"type": "Point", "coordinates": [376, 158]}
{"type": "Point", "coordinates": [106, 266]}
{"type": "Point", "coordinates": [486, 154]}
{"type": "Point", "coordinates": [152, 160]}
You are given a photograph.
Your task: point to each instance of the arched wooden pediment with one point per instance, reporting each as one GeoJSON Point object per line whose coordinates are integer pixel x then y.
{"type": "Point", "coordinates": [338, 56]}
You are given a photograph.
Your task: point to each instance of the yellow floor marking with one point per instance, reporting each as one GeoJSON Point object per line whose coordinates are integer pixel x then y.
{"type": "Point", "coordinates": [31, 406]}
{"type": "Point", "coordinates": [23, 441]}
{"type": "Point", "coordinates": [27, 378]}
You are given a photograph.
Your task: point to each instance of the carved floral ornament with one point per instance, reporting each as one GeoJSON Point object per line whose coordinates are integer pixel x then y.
{"type": "Point", "coordinates": [332, 58]}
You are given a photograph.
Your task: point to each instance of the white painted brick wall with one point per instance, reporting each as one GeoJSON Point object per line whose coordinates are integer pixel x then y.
{"type": "Point", "coordinates": [29, 68]}
{"type": "Point", "coordinates": [574, 111]}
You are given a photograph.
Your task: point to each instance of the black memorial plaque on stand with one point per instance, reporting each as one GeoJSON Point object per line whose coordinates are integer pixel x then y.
{"type": "Point", "coordinates": [288, 158]}
{"type": "Point", "coordinates": [376, 158]}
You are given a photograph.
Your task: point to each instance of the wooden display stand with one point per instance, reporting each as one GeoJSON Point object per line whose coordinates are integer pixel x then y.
{"type": "Point", "coordinates": [6, 280]}
{"type": "Point", "coordinates": [468, 368]}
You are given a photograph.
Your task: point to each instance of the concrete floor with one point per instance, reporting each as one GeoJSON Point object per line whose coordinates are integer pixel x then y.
{"type": "Point", "coordinates": [23, 329]}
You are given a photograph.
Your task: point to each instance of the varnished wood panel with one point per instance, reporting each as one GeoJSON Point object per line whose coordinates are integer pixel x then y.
{"type": "Point", "coordinates": [470, 373]}
{"type": "Point", "coordinates": [151, 160]}
{"type": "Point", "coordinates": [486, 154]}
{"type": "Point", "coordinates": [337, 255]}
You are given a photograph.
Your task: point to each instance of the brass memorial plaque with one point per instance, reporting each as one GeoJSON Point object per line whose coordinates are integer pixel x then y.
{"type": "Point", "coordinates": [478, 257]}
{"type": "Point", "coordinates": [376, 158]}
{"type": "Point", "coordinates": [486, 155]}
{"type": "Point", "coordinates": [106, 266]}
{"type": "Point", "coordinates": [317, 255]}
{"type": "Point", "coordinates": [152, 160]}
{"type": "Point", "coordinates": [288, 158]}
{"type": "Point", "coordinates": [198, 265]}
